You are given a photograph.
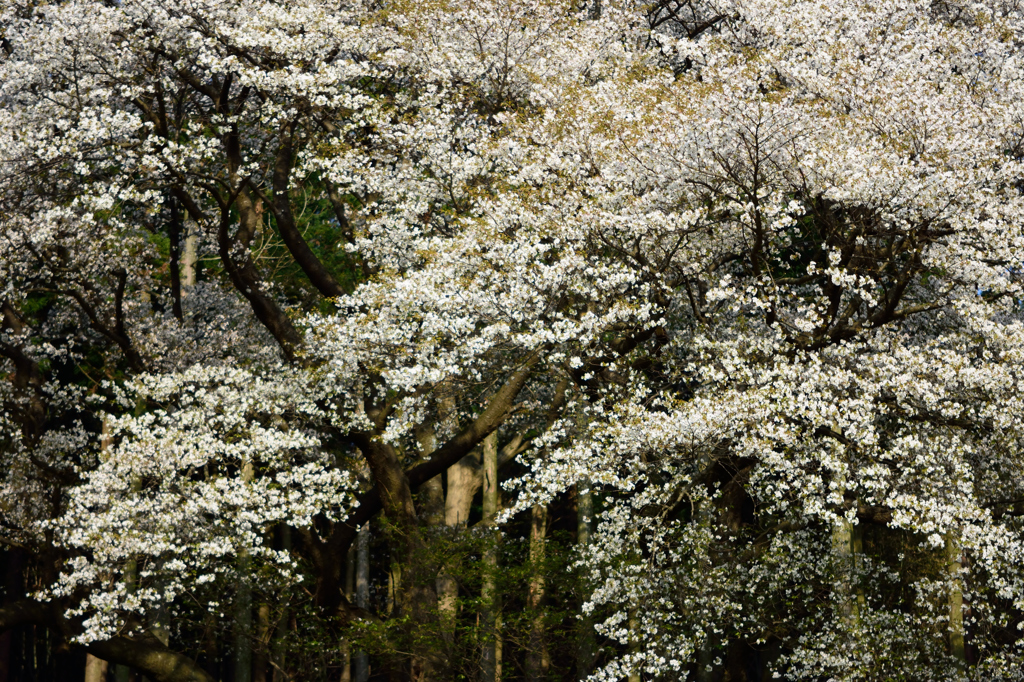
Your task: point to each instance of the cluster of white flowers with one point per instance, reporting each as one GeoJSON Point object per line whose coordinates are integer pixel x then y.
{"type": "Point", "coordinates": [762, 260]}
{"type": "Point", "coordinates": [190, 485]}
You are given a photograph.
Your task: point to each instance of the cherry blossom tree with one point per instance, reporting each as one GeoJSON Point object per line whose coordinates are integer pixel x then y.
{"type": "Point", "coordinates": [745, 276]}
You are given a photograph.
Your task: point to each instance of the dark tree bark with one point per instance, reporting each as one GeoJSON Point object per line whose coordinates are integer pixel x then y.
{"type": "Point", "coordinates": [281, 205]}
{"type": "Point", "coordinates": [174, 233]}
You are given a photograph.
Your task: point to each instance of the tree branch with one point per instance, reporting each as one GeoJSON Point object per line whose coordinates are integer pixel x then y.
{"type": "Point", "coordinates": [150, 657]}
{"type": "Point", "coordinates": [280, 204]}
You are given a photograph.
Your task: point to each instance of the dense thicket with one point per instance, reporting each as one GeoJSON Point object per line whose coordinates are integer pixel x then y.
{"type": "Point", "coordinates": [508, 339]}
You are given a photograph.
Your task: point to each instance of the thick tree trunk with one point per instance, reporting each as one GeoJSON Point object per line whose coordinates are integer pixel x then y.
{"type": "Point", "coordinates": [490, 658]}
{"type": "Point", "coordinates": [537, 661]}
{"type": "Point", "coordinates": [456, 448]}
{"type": "Point", "coordinates": [393, 490]}
{"type": "Point", "coordinates": [95, 669]}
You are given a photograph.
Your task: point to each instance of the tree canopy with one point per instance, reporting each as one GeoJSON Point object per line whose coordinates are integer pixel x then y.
{"type": "Point", "coordinates": [746, 274]}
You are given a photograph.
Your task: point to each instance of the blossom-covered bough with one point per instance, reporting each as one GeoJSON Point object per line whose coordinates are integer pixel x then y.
{"type": "Point", "coordinates": [748, 270]}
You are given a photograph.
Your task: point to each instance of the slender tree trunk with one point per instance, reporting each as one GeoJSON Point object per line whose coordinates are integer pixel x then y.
{"type": "Point", "coordinates": [5, 656]}
{"type": "Point", "coordinates": [394, 485]}
{"type": "Point", "coordinates": [260, 663]}
{"type": "Point", "coordinates": [463, 479]}
{"type": "Point", "coordinates": [243, 628]}
{"type": "Point", "coordinates": [123, 673]}
{"type": "Point", "coordinates": [537, 661]}
{"type": "Point", "coordinates": [857, 549]}
{"type": "Point", "coordinates": [490, 659]}
{"type": "Point", "coordinates": [842, 546]}
{"type": "Point", "coordinates": [706, 659]}
{"type": "Point", "coordinates": [584, 516]}
{"type": "Point", "coordinates": [956, 596]}
{"type": "Point", "coordinates": [175, 257]}
{"type": "Point", "coordinates": [706, 653]}
{"type": "Point", "coordinates": [431, 493]}
{"type": "Point", "coordinates": [462, 482]}
{"type": "Point", "coordinates": [95, 669]}
{"type": "Point", "coordinates": [211, 645]}
{"type": "Point", "coordinates": [394, 589]}
{"type": "Point", "coordinates": [159, 627]}
{"type": "Point", "coordinates": [161, 621]}
{"type": "Point", "coordinates": [189, 258]}
{"type": "Point", "coordinates": [243, 607]}
{"type": "Point", "coordinates": [431, 502]}
{"type": "Point", "coordinates": [14, 585]}
{"type": "Point", "coordinates": [634, 675]}
{"type": "Point", "coordinates": [278, 647]}
{"type": "Point", "coordinates": [361, 662]}
{"type": "Point", "coordinates": [350, 583]}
